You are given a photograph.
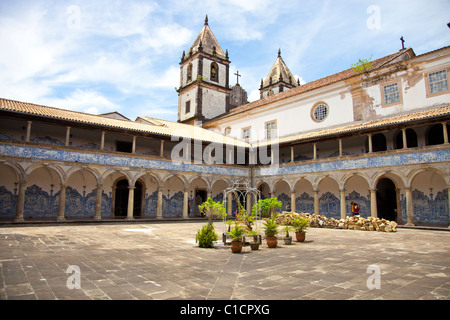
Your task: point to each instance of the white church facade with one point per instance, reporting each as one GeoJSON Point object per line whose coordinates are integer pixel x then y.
{"type": "Point", "coordinates": [377, 136]}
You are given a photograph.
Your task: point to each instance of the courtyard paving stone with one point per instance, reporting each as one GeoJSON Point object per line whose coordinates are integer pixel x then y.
{"type": "Point", "coordinates": [151, 260]}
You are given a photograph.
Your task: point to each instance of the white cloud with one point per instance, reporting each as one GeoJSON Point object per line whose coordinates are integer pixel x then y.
{"type": "Point", "coordinates": [83, 100]}
{"type": "Point", "coordinates": [126, 54]}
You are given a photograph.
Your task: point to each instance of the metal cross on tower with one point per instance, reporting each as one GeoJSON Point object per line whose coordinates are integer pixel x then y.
{"type": "Point", "coordinates": [237, 76]}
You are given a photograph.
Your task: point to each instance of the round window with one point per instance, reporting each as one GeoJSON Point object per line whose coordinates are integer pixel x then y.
{"type": "Point", "coordinates": [320, 112]}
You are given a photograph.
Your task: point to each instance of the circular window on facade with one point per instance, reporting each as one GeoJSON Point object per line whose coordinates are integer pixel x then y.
{"type": "Point", "coordinates": [320, 112]}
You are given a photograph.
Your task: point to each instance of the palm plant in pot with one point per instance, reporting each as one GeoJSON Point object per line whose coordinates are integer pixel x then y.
{"type": "Point", "coordinates": [236, 235]}
{"type": "Point", "coordinates": [300, 225]}
{"type": "Point", "coordinates": [254, 245]}
{"type": "Point", "coordinates": [287, 238]}
{"type": "Point", "coordinates": [271, 231]}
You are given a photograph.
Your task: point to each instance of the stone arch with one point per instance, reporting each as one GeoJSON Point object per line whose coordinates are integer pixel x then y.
{"type": "Point", "coordinates": [43, 186]}
{"type": "Point", "coordinates": [172, 197]}
{"type": "Point", "coordinates": [390, 195]}
{"type": "Point", "coordinates": [430, 197]}
{"type": "Point", "coordinates": [329, 197]}
{"type": "Point", "coordinates": [264, 189]}
{"type": "Point", "coordinates": [397, 177]}
{"type": "Point", "coordinates": [217, 189]}
{"type": "Point", "coordinates": [81, 193]}
{"type": "Point", "coordinates": [304, 196]}
{"type": "Point", "coordinates": [356, 188]}
{"type": "Point", "coordinates": [9, 188]}
{"type": "Point", "coordinates": [151, 183]}
{"type": "Point", "coordinates": [282, 191]}
{"type": "Point", "coordinates": [59, 173]}
{"type": "Point", "coordinates": [110, 180]}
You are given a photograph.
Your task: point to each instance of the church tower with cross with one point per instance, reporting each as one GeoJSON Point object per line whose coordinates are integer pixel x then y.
{"type": "Point", "coordinates": [204, 91]}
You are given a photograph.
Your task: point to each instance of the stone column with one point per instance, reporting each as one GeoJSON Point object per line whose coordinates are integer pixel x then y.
{"type": "Point", "coordinates": [405, 140]}
{"type": "Point", "coordinates": [133, 147]}
{"type": "Point", "coordinates": [102, 141]}
{"type": "Point", "coordinates": [230, 205]}
{"type": "Point", "coordinates": [399, 206]}
{"type": "Point", "coordinates": [373, 203]}
{"type": "Point", "coordinates": [293, 208]}
{"type": "Point", "coordinates": [314, 151]}
{"type": "Point", "coordinates": [98, 203]}
{"type": "Point", "coordinates": [409, 208]}
{"type": "Point", "coordinates": [67, 136]}
{"type": "Point", "coordinates": [292, 154]}
{"type": "Point", "coordinates": [161, 151]}
{"type": "Point", "coordinates": [62, 203]}
{"type": "Point", "coordinates": [444, 130]}
{"type": "Point", "coordinates": [249, 203]}
{"type": "Point", "coordinates": [448, 196]}
{"type": "Point", "coordinates": [159, 205]}
{"type": "Point", "coordinates": [316, 202]}
{"type": "Point", "coordinates": [130, 203]}
{"type": "Point", "coordinates": [185, 204]}
{"type": "Point", "coordinates": [27, 138]}
{"type": "Point", "coordinates": [340, 147]}
{"type": "Point", "coordinates": [20, 202]}
{"type": "Point", "coordinates": [343, 207]}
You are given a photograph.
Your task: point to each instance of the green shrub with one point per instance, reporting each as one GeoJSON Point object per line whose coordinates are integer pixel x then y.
{"type": "Point", "coordinates": [206, 236]}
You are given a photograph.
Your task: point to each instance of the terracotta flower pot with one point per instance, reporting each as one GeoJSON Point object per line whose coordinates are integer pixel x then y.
{"type": "Point", "coordinates": [254, 245]}
{"type": "Point", "coordinates": [288, 240]}
{"type": "Point", "coordinates": [272, 242]}
{"type": "Point", "coordinates": [300, 236]}
{"type": "Point", "coordinates": [236, 246]}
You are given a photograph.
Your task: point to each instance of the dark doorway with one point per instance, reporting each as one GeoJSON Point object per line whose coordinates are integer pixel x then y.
{"type": "Point", "coordinates": [200, 197]}
{"type": "Point", "coordinates": [121, 201]}
{"type": "Point", "coordinates": [386, 200]}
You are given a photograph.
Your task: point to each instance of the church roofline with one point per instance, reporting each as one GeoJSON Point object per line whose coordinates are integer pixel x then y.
{"type": "Point", "coordinates": [320, 83]}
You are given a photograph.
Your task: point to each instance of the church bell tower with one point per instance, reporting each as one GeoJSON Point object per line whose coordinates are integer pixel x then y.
{"type": "Point", "coordinates": [204, 91]}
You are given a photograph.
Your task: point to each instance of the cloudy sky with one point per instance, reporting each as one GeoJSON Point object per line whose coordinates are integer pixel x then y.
{"type": "Point", "coordinates": [102, 56]}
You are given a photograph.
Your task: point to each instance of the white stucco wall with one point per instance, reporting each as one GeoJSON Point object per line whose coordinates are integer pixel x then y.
{"type": "Point", "coordinates": [190, 95]}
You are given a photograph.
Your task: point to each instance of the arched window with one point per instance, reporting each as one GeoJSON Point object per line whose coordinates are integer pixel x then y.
{"type": "Point", "coordinates": [189, 72]}
{"type": "Point", "coordinates": [379, 142]}
{"type": "Point", "coordinates": [435, 135]}
{"type": "Point", "coordinates": [214, 76]}
{"type": "Point", "coordinates": [411, 139]}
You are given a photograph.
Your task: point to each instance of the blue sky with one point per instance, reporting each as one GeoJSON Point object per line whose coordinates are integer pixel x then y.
{"type": "Point", "coordinates": [103, 56]}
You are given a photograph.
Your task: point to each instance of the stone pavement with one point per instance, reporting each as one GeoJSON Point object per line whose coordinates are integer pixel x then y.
{"type": "Point", "coordinates": [143, 260]}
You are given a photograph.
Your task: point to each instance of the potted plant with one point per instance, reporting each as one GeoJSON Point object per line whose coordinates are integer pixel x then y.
{"type": "Point", "coordinates": [266, 206]}
{"type": "Point", "coordinates": [206, 236]}
{"type": "Point", "coordinates": [254, 245]}
{"type": "Point", "coordinates": [229, 223]}
{"type": "Point", "coordinates": [288, 238]}
{"type": "Point", "coordinates": [300, 225]}
{"type": "Point", "coordinates": [271, 231]}
{"type": "Point", "coordinates": [236, 235]}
